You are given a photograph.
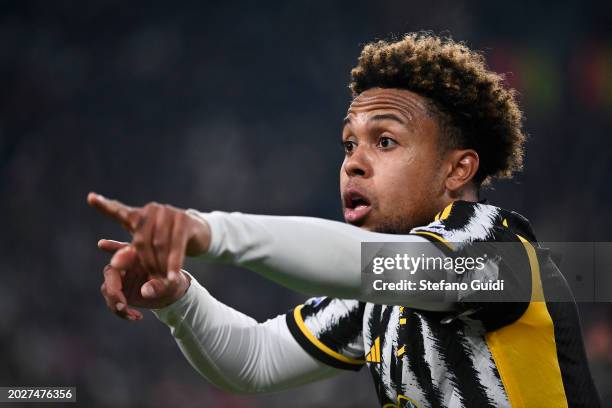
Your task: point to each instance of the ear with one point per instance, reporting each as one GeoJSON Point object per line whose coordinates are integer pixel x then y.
{"type": "Point", "coordinates": [463, 167]}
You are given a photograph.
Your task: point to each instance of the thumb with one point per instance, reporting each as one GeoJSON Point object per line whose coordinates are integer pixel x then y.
{"type": "Point", "coordinates": [155, 288]}
{"type": "Point", "coordinates": [158, 288]}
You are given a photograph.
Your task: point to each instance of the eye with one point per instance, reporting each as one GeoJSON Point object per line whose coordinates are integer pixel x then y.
{"type": "Point", "coordinates": [348, 146]}
{"type": "Point", "coordinates": [386, 142]}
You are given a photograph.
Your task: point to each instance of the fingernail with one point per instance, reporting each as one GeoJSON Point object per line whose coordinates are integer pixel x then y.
{"type": "Point", "coordinates": [122, 273]}
{"type": "Point", "coordinates": [120, 306]}
{"type": "Point", "coordinates": [130, 317]}
{"type": "Point", "coordinates": [171, 275]}
{"type": "Point", "coordinates": [148, 291]}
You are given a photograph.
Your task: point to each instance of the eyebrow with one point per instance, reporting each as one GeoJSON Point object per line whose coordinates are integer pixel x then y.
{"type": "Point", "coordinates": [388, 116]}
{"type": "Point", "coordinates": [383, 116]}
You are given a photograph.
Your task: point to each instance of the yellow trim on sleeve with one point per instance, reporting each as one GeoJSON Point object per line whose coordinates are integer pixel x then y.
{"type": "Point", "coordinates": [525, 352]}
{"type": "Point", "coordinates": [297, 315]}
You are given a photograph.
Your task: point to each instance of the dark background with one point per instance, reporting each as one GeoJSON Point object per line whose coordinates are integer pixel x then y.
{"type": "Point", "coordinates": [238, 106]}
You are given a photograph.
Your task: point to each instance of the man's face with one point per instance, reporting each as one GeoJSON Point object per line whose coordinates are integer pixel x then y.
{"type": "Point", "coordinates": [391, 179]}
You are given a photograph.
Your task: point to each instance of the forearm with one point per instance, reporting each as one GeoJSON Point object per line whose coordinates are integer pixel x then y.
{"type": "Point", "coordinates": [233, 351]}
{"type": "Point", "coordinates": [311, 255]}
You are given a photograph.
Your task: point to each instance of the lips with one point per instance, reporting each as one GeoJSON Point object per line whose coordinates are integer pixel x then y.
{"type": "Point", "coordinates": [356, 206]}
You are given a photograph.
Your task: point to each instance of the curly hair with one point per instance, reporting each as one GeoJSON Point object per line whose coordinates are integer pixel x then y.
{"type": "Point", "coordinates": [475, 110]}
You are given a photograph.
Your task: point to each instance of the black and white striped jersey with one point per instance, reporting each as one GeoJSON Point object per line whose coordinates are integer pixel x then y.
{"type": "Point", "coordinates": [519, 354]}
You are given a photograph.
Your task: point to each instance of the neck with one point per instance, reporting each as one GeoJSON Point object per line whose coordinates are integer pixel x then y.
{"type": "Point", "coordinates": [468, 193]}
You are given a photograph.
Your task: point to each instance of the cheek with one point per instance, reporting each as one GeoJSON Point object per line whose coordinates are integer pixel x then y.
{"type": "Point", "coordinates": [394, 182]}
{"type": "Point", "coordinates": [405, 183]}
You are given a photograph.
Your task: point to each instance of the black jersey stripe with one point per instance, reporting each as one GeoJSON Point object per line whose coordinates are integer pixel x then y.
{"type": "Point", "coordinates": [384, 339]}
{"type": "Point", "coordinates": [578, 383]}
{"type": "Point", "coordinates": [315, 348]}
{"type": "Point", "coordinates": [345, 331]}
{"type": "Point", "coordinates": [415, 355]}
{"type": "Point", "coordinates": [457, 355]}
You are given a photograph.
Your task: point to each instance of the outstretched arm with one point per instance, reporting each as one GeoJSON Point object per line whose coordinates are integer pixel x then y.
{"type": "Point", "coordinates": [235, 352]}
{"type": "Point", "coordinates": [313, 256]}
{"type": "Point", "coordinates": [229, 348]}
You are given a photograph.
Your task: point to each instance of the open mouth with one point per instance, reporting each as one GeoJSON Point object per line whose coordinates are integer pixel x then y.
{"type": "Point", "coordinates": [356, 206]}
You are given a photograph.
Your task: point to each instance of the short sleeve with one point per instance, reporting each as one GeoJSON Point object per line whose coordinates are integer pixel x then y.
{"type": "Point", "coordinates": [330, 330]}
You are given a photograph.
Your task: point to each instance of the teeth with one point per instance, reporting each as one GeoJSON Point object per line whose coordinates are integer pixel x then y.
{"type": "Point", "coordinates": [356, 201]}
{"type": "Point", "coordinates": [359, 203]}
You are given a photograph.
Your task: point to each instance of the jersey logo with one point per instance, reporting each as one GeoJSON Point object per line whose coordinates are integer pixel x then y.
{"type": "Point", "coordinates": [374, 354]}
{"type": "Point", "coordinates": [314, 302]}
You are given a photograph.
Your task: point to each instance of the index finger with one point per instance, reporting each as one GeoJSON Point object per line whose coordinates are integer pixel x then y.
{"type": "Point", "coordinates": [112, 208]}
{"type": "Point", "coordinates": [124, 259]}
{"type": "Point", "coordinates": [111, 246]}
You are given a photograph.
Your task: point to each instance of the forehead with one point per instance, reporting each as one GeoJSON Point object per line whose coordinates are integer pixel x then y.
{"type": "Point", "coordinates": [404, 102]}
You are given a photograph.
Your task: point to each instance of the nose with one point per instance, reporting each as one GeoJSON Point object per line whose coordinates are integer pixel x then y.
{"type": "Point", "coordinates": [359, 163]}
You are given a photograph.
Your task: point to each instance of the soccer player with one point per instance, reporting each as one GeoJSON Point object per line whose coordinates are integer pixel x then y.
{"type": "Point", "coordinates": [428, 125]}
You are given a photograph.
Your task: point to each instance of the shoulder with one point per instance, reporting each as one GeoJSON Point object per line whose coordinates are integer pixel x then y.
{"type": "Point", "coordinates": [464, 221]}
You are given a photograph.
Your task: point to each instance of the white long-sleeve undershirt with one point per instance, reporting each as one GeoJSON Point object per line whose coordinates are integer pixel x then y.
{"type": "Point", "coordinates": [234, 351]}
{"type": "Point", "coordinates": [314, 256]}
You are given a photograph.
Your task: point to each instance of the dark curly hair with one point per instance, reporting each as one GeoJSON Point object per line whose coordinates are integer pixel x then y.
{"type": "Point", "coordinates": [475, 109]}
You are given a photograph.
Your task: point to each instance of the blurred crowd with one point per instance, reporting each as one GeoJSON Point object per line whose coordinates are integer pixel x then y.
{"type": "Point", "coordinates": [238, 106]}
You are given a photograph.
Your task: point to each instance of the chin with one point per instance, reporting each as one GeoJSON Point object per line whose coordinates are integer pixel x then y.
{"type": "Point", "coordinates": [371, 228]}
{"type": "Point", "coordinates": [360, 224]}
{"type": "Point", "coordinates": [397, 225]}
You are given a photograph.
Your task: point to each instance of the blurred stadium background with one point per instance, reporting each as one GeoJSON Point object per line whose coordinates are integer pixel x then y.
{"type": "Point", "coordinates": [238, 106]}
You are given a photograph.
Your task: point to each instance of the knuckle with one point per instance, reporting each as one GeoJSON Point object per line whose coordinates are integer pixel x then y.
{"type": "Point", "coordinates": [152, 205]}
{"type": "Point", "coordinates": [112, 297]}
{"type": "Point", "coordinates": [137, 220]}
{"type": "Point", "coordinates": [181, 218]}
{"type": "Point", "coordinates": [139, 242]}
